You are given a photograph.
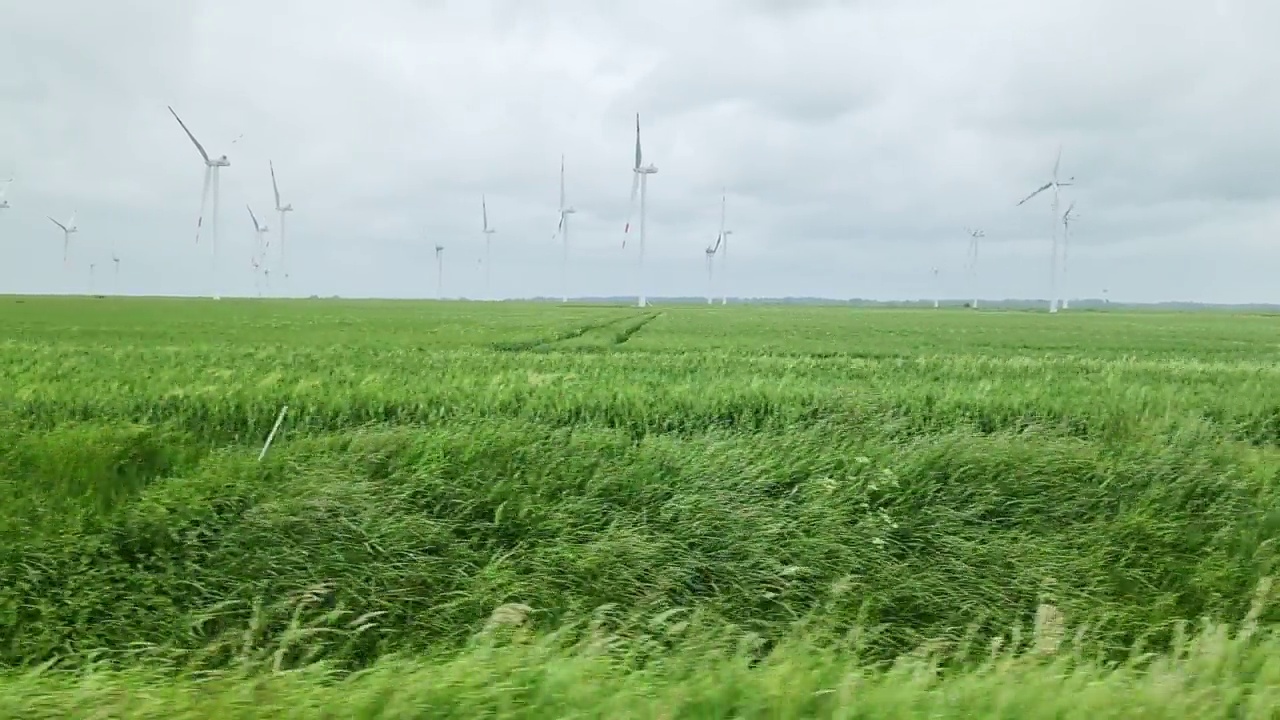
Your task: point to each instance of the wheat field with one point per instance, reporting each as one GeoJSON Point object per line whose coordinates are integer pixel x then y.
{"type": "Point", "coordinates": [536, 511]}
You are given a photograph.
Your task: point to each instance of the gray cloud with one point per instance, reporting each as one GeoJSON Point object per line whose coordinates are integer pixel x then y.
{"type": "Point", "coordinates": [855, 140]}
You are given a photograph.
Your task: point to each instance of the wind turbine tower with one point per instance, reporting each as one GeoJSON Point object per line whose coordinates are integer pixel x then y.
{"type": "Point", "coordinates": [282, 209]}
{"type": "Point", "coordinates": [1067, 217]}
{"type": "Point", "coordinates": [212, 166]}
{"type": "Point", "coordinates": [115, 282]}
{"type": "Point", "coordinates": [92, 267]}
{"type": "Point", "coordinates": [488, 250]}
{"type": "Point", "coordinates": [937, 290]}
{"type": "Point", "coordinates": [639, 183]}
{"type": "Point", "coordinates": [1053, 184]}
{"type": "Point", "coordinates": [563, 231]}
{"type": "Point", "coordinates": [439, 272]}
{"type": "Point", "coordinates": [971, 262]}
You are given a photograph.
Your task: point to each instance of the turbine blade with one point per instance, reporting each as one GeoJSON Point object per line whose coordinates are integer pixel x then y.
{"type": "Point", "coordinates": [1057, 162]}
{"type": "Point", "coordinates": [562, 187]}
{"type": "Point", "coordinates": [638, 155]}
{"type": "Point", "coordinates": [199, 147]}
{"type": "Point", "coordinates": [55, 222]}
{"type": "Point", "coordinates": [274, 188]}
{"type": "Point", "coordinates": [253, 217]}
{"type": "Point", "coordinates": [1042, 188]}
{"type": "Point", "coordinates": [484, 210]}
{"type": "Point", "coordinates": [631, 208]}
{"type": "Point", "coordinates": [204, 198]}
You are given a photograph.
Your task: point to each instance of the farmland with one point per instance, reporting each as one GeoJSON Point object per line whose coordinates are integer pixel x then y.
{"type": "Point", "coordinates": [520, 510]}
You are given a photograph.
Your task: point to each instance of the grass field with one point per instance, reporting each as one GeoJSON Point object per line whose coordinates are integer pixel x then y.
{"type": "Point", "coordinates": [504, 510]}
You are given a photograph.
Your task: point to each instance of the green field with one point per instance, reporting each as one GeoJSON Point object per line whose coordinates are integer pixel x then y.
{"type": "Point", "coordinates": [519, 510]}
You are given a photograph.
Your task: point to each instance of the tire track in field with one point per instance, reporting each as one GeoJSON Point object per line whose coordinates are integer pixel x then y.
{"type": "Point", "coordinates": [625, 333]}
{"type": "Point", "coordinates": [548, 342]}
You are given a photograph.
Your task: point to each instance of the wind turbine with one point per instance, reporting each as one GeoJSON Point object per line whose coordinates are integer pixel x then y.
{"type": "Point", "coordinates": [639, 183]}
{"type": "Point", "coordinates": [972, 261]}
{"type": "Point", "coordinates": [4, 190]}
{"type": "Point", "coordinates": [257, 279]}
{"type": "Point", "coordinates": [282, 209]}
{"type": "Point", "coordinates": [711, 259]}
{"type": "Point", "coordinates": [259, 233]}
{"type": "Point", "coordinates": [724, 253]}
{"type": "Point", "coordinates": [212, 166]}
{"type": "Point", "coordinates": [91, 268]}
{"type": "Point", "coordinates": [488, 254]}
{"type": "Point", "coordinates": [1067, 217]}
{"type": "Point", "coordinates": [259, 237]}
{"type": "Point", "coordinates": [115, 260]}
{"type": "Point", "coordinates": [67, 231]}
{"type": "Point", "coordinates": [1053, 261]}
{"type": "Point", "coordinates": [937, 290]}
{"type": "Point", "coordinates": [563, 231]}
{"type": "Point", "coordinates": [439, 272]}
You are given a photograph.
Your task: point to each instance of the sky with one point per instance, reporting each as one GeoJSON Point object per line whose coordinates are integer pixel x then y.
{"type": "Point", "coordinates": [854, 142]}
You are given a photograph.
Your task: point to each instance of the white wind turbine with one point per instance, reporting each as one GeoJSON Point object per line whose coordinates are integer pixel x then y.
{"type": "Point", "coordinates": [212, 166]}
{"type": "Point", "coordinates": [488, 249]}
{"type": "Point", "coordinates": [92, 266]}
{"type": "Point", "coordinates": [4, 191]}
{"type": "Point", "coordinates": [67, 231]}
{"type": "Point", "coordinates": [257, 277]}
{"type": "Point", "coordinates": [282, 209]}
{"type": "Point", "coordinates": [259, 237]}
{"type": "Point", "coordinates": [562, 230]}
{"type": "Point", "coordinates": [724, 252]}
{"type": "Point", "coordinates": [115, 282]}
{"type": "Point", "coordinates": [639, 183]}
{"type": "Point", "coordinates": [711, 261]}
{"type": "Point", "coordinates": [937, 289]}
{"type": "Point", "coordinates": [971, 261]}
{"type": "Point", "coordinates": [1067, 217]}
{"type": "Point", "coordinates": [1053, 261]}
{"type": "Point", "coordinates": [439, 272]}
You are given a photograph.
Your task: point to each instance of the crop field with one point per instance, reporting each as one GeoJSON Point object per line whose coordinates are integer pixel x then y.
{"type": "Point", "coordinates": [520, 510]}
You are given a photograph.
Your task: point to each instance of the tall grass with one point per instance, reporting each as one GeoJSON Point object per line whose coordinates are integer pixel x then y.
{"type": "Point", "coordinates": [921, 482]}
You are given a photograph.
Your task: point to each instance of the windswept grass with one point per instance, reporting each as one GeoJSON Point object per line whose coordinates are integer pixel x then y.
{"type": "Point", "coordinates": [815, 497]}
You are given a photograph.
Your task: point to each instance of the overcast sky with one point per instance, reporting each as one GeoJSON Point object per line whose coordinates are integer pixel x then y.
{"type": "Point", "coordinates": [856, 140]}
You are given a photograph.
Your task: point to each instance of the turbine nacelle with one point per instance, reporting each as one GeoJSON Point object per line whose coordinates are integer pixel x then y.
{"type": "Point", "coordinates": [4, 204]}
{"type": "Point", "coordinates": [220, 161]}
{"type": "Point", "coordinates": [646, 169]}
{"type": "Point", "coordinates": [286, 208]}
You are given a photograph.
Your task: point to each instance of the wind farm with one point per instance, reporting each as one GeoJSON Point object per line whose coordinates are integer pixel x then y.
{"type": "Point", "coordinates": [718, 279]}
